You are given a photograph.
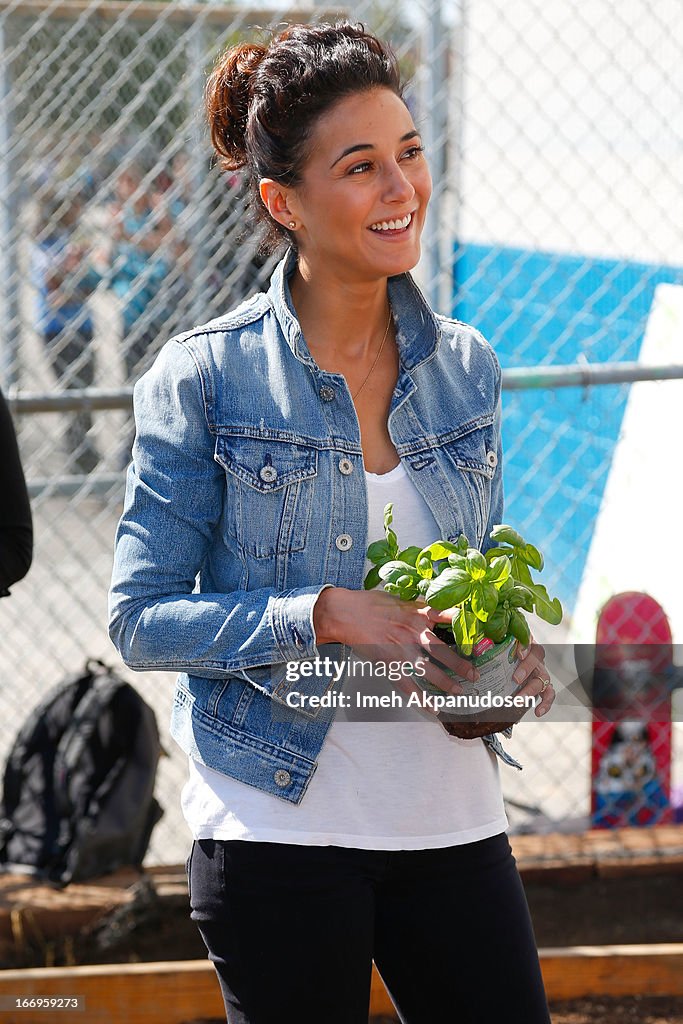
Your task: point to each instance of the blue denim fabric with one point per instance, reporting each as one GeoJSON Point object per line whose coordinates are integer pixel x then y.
{"type": "Point", "coordinates": [236, 500]}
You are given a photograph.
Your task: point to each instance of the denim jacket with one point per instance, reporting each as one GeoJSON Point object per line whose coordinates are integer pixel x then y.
{"type": "Point", "coordinates": [246, 497]}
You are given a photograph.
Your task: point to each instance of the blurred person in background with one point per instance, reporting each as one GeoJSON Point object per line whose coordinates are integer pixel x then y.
{"type": "Point", "coordinates": [172, 201]}
{"type": "Point", "coordinates": [64, 279]}
{"type": "Point", "coordinates": [141, 261]}
{"type": "Point", "coordinates": [16, 527]}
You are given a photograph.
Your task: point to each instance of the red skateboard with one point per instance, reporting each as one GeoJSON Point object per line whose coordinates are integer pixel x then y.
{"type": "Point", "coordinates": [631, 729]}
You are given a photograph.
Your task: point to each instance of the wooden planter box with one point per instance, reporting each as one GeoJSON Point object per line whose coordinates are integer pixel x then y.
{"type": "Point", "coordinates": [186, 990]}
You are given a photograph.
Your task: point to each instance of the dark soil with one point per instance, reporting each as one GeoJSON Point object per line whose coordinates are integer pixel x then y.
{"type": "Point", "coordinates": [642, 908]}
{"type": "Point", "coordinates": [626, 1010]}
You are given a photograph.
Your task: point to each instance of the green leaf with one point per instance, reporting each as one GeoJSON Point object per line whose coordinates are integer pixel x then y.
{"type": "Point", "coordinates": [484, 599]}
{"type": "Point", "coordinates": [533, 557]}
{"type": "Point", "coordinates": [499, 552]}
{"type": "Point", "coordinates": [372, 579]}
{"type": "Point", "coordinates": [462, 544]}
{"type": "Point", "coordinates": [499, 570]}
{"type": "Point", "coordinates": [457, 561]}
{"type": "Point", "coordinates": [460, 634]}
{"type": "Point", "coordinates": [396, 571]}
{"type": "Point", "coordinates": [434, 552]}
{"type": "Point", "coordinates": [519, 549]}
{"type": "Point", "coordinates": [520, 571]}
{"type": "Point", "coordinates": [519, 627]}
{"type": "Point", "coordinates": [507, 535]}
{"type": "Point", "coordinates": [456, 575]}
{"type": "Point", "coordinates": [521, 597]}
{"type": "Point", "coordinates": [409, 555]}
{"type": "Point", "coordinates": [448, 589]}
{"type": "Point", "coordinates": [439, 549]}
{"type": "Point", "coordinates": [464, 627]}
{"type": "Point", "coordinates": [392, 540]}
{"type": "Point", "coordinates": [423, 586]}
{"type": "Point", "coordinates": [396, 563]}
{"type": "Point", "coordinates": [405, 581]}
{"type": "Point", "coordinates": [424, 566]}
{"type": "Point", "coordinates": [476, 564]}
{"type": "Point", "coordinates": [379, 552]}
{"type": "Point", "coordinates": [547, 608]}
{"type": "Point", "coordinates": [408, 593]}
{"type": "Point", "coordinates": [497, 627]}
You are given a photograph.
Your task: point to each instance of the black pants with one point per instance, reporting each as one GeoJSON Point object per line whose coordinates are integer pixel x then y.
{"type": "Point", "coordinates": [292, 932]}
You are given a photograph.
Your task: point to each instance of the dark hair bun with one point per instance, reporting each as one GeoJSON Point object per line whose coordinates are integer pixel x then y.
{"type": "Point", "coordinates": [263, 102]}
{"type": "Point", "coordinates": [227, 101]}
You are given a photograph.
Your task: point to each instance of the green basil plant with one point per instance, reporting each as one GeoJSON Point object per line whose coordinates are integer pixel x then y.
{"type": "Point", "coordinates": [489, 592]}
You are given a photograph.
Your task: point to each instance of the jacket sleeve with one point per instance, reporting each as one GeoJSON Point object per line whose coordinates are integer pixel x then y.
{"type": "Point", "coordinates": [172, 507]}
{"type": "Point", "coordinates": [16, 527]}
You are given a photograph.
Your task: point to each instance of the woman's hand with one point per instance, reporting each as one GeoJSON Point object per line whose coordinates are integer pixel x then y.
{"type": "Point", "coordinates": [384, 628]}
{"type": "Point", "coordinates": [532, 672]}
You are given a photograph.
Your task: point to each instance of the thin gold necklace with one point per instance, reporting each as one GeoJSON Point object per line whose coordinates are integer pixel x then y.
{"type": "Point", "coordinates": [376, 360]}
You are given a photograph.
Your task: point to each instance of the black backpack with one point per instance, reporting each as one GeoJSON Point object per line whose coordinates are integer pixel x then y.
{"type": "Point", "coordinates": [79, 781]}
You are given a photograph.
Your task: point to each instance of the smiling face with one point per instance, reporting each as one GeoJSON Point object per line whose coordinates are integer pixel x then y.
{"type": "Point", "coordinates": [361, 205]}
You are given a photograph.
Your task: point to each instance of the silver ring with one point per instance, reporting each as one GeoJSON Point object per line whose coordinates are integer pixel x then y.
{"type": "Point", "coordinates": [546, 684]}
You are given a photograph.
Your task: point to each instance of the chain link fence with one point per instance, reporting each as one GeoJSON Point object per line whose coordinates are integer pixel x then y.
{"type": "Point", "coordinates": [557, 158]}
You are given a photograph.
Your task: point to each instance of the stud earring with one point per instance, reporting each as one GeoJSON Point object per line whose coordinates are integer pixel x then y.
{"type": "Point", "coordinates": [292, 224]}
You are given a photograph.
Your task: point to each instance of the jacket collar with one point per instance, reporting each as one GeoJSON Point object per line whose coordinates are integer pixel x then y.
{"type": "Point", "coordinates": [417, 335]}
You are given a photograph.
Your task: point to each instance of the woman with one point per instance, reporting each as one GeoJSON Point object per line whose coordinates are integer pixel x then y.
{"type": "Point", "coordinates": [140, 228]}
{"type": "Point", "coordinates": [269, 441]}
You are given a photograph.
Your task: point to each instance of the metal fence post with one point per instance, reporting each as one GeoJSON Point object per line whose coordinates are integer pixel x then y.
{"type": "Point", "coordinates": [9, 276]}
{"type": "Point", "coordinates": [435, 58]}
{"type": "Point", "coordinates": [200, 260]}
{"type": "Point", "coordinates": [455, 146]}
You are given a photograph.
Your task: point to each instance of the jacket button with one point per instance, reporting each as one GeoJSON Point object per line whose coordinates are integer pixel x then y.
{"type": "Point", "coordinates": [282, 778]}
{"type": "Point", "coordinates": [492, 459]}
{"type": "Point", "coordinates": [345, 466]}
{"type": "Point", "coordinates": [344, 541]}
{"type": "Point", "coordinates": [326, 393]}
{"type": "Point", "coordinates": [268, 474]}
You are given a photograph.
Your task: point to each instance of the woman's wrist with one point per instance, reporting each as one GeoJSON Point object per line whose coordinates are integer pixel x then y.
{"type": "Point", "coordinates": [325, 621]}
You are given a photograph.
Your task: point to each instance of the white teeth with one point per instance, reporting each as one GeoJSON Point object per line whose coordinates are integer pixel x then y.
{"type": "Point", "coordinates": [392, 225]}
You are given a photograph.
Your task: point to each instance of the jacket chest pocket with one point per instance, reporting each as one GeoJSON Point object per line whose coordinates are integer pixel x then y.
{"type": "Point", "coordinates": [270, 492]}
{"type": "Point", "coordinates": [475, 459]}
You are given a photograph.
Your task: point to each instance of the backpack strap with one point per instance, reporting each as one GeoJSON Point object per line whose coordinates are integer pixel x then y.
{"type": "Point", "coordinates": [78, 735]}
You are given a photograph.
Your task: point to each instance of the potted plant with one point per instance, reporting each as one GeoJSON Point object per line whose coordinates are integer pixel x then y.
{"type": "Point", "coordinates": [489, 593]}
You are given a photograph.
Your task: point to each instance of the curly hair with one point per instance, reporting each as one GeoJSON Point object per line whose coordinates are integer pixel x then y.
{"type": "Point", "coordinates": [262, 102]}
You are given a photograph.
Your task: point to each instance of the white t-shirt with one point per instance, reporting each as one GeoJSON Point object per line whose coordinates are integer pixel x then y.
{"type": "Point", "coordinates": [379, 785]}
